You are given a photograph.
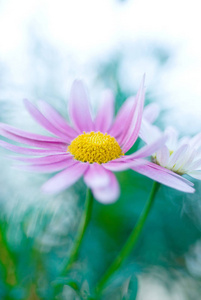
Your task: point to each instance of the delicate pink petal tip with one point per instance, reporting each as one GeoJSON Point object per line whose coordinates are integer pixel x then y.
{"type": "Point", "coordinates": [134, 120]}
{"type": "Point", "coordinates": [44, 122]}
{"type": "Point", "coordinates": [57, 120]}
{"type": "Point", "coordinates": [65, 179]}
{"type": "Point", "coordinates": [27, 134]}
{"type": "Point", "coordinates": [105, 113]}
{"type": "Point", "coordinates": [109, 193]}
{"type": "Point", "coordinates": [164, 176]}
{"type": "Point", "coordinates": [28, 151]}
{"type": "Point", "coordinates": [79, 109]}
{"type": "Point", "coordinates": [33, 140]}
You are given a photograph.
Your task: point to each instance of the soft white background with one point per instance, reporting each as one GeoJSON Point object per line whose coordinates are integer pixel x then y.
{"type": "Point", "coordinates": [83, 31]}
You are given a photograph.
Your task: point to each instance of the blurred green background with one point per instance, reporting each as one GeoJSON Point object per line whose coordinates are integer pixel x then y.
{"type": "Point", "coordinates": [37, 231]}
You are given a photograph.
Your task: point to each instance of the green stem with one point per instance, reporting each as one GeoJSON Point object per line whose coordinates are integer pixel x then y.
{"type": "Point", "coordinates": [81, 231]}
{"type": "Point", "coordinates": [131, 242]}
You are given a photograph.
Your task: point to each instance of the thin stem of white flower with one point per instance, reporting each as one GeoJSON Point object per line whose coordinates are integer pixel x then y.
{"type": "Point", "coordinates": [131, 242]}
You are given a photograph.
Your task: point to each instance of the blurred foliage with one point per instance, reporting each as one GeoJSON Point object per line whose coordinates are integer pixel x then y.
{"type": "Point", "coordinates": [37, 232]}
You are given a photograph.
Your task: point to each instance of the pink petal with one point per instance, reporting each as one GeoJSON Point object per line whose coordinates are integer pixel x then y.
{"type": "Point", "coordinates": [118, 165]}
{"type": "Point", "coordinates": [133, 130]}
{"type": "Point", "coordinates": [178, 176]}
{"type": "Point", "coordinates": [105, 113]}
{"type": "Point", "coordinates": [40, 118]}
{"type": "Point", "coordinates": [158, 167]}
{"type": "Point", "coordinates": [119, 123]}
{"type": "Point", "coordinates": [58, 145]}
{"type": "Point", "coordinates": [79, 110]}
{"type": "Point", "coordinates": [148, 149]}
{"type": "Point", "coordinates": [42, 160]}
{"type": "Point", "coordinates": [151, 112]}
{"type": "Point", "coordinates": [57, 120]}
{"type": "Point", "coordinates": [164, 176]}
{"type": "Point", "coordinates": [109, 193]}
{"type": "Point", "coordinates": [66, 178]}
{"type": "Point", "coordinates": [29, 135]}
{"type": "Point", "coordinates": [96, 176]}
{"type": "Point", "coordinates": [48, 167]}
{"type": "Point", "coordinates": [126, 124]}
{"type": "Point", "coordinates": [28, 151]}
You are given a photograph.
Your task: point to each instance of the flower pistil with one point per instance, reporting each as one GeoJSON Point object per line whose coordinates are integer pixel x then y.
{"type": "Point", "coordinates": [95, 147]}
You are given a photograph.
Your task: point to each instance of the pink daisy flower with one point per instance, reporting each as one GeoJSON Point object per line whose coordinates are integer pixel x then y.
{"type": "Point", "coordinates": [92, 148]}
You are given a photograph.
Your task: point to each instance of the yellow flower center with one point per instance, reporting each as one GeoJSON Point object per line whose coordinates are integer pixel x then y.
{"type": "Point", "coordinates": [95, 147]}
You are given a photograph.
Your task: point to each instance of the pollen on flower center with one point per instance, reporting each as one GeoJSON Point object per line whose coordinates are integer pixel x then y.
{"type": "Point", "coordinates": [95, 147]}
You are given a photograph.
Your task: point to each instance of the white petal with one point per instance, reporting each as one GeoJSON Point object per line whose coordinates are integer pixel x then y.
{"type": "Point", "coordinates": [162, 156]}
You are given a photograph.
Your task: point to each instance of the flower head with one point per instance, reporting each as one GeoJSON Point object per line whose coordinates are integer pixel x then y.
{"type": "Point", "coordinates": [182, 156]}
{"type": "Point", "coordinates": [92, 148]}
{"type": "Point", "coordinates": [95, 147]}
